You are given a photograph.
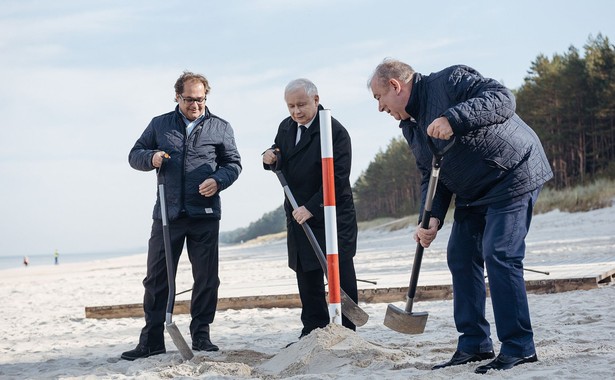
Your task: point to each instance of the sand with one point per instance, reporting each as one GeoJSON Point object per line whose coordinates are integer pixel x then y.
{"type": "Point", "coordinates": [45, 334]}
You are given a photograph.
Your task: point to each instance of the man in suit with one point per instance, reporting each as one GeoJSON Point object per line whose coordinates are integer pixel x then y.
{"type": "Point", "coordinates": [296, 152]}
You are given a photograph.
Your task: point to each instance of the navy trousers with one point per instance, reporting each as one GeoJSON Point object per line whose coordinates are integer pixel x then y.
{"type": "Point", "coordinates": [201, 237]}
{"type": "Point", "coordinates": [315, 310]}
{"type": "Point", "coordinates": [492, 237]}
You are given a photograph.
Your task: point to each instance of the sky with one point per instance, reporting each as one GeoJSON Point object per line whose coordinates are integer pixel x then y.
{"type": "Point", "coordinates": [80, 81]}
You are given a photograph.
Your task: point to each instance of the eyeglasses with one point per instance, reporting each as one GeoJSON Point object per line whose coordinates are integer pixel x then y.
{"type": "Point", "coordinates": [192, 100]}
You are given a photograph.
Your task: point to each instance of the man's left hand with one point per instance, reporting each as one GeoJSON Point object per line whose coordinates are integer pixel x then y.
{"type": "Point", "coordinates": [426, 235]}
{"type": "Point", "coordinates": [302, 214]}
{"type": "Point", "coordinates": [208, 188]}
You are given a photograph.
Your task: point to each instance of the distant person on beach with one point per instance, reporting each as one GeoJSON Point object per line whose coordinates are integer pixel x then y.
{"type": "Point", "coordinates": [26, 261]}
{"type": "Point", "coordinates": [296, 152]}
{"type": "Point", "coordinates": [495, 170]}
{"type": "Point", "coordinates": [56, 257]}
{"type": "Point", "coordinates": [203, 161]}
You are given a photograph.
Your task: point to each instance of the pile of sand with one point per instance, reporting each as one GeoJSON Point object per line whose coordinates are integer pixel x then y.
{"type": "Point", "coordinates": [330, 350]}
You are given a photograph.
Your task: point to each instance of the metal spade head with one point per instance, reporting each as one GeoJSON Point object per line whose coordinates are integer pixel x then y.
{"type": "Point", "coordinates": [179, 341]}
{"type": "Point", "coordinates": [405, 322]}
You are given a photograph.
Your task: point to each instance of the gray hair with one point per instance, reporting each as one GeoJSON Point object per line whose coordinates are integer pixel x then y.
{"type": "Point", "coordinates": [391, 69]}
{"type": "Point", "coordinates": [304, 84]}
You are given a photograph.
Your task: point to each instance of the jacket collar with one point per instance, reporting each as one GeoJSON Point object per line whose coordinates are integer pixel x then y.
{"type": "Point", "coordinates": [413, 101]}
{"type": "Point", "coordinates": [312, 132]}
{"type": "Point", "coordinates": [179, 115]}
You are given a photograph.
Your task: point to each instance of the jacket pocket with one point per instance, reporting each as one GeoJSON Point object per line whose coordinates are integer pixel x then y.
{"type": "Point", "coordinates": [495, 164]}
{"type": "Point", "coordinates": [200, 206]}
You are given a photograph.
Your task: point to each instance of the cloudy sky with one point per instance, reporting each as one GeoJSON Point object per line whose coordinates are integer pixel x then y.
{"type": "Point", "coordinates": [80, 80]}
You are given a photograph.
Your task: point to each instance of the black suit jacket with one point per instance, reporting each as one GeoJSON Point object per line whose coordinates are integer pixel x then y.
{"type": "Point", "coordinates": [302, 167]}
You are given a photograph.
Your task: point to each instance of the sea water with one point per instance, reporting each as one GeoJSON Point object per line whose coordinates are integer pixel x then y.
{"type": "Point", "coordinates": [8, 262]}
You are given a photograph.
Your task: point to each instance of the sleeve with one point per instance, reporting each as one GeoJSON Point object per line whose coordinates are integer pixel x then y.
{"type": "Point", "coordinates": [275, 145]}
{"type": "Point", "coordinates": [140, 156]}
{"type": "Point", "coordinates": [479, 101]}
{"type": "Point", "coordinates": [229, 160]}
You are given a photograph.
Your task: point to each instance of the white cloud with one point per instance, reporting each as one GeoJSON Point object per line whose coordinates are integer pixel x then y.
{"type": "Point", "coordinates": [81, 80]}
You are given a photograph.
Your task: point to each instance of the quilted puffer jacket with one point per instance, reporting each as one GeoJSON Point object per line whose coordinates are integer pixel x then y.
{"type": "Point", "coordinates": [208, 152]}
{"type": "Point", "coordinates": [495, 156]}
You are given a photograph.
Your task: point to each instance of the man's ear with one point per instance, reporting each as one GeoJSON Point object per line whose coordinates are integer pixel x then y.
{"type": "Point", "coordinates": [396, 85]}
{"type": "Point", "coordinates": [317, 99]}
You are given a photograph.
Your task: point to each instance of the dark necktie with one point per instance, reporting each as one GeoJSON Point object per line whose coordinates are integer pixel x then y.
{"type": "Point", "coordinates": [303, 129]}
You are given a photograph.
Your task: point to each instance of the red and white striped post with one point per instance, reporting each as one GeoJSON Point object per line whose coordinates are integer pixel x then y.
{"type": "Point", "coordinates": [328, 182]}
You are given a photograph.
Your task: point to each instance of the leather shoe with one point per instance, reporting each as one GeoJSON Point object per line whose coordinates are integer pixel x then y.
{"type": "Point", "coordinates": [143, 352]}
{"type": "Point", "coordinates": [204, 344]}
{"type": "Point", "coordinates": [303, 334]}
{"type": "Point", "coordinates": [460, 357]}
{"type": "Point", "coordinates": [505, 362]}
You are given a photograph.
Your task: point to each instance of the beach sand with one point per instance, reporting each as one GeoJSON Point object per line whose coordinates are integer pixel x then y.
{"type": "Point", "coordinates": [45, 334]}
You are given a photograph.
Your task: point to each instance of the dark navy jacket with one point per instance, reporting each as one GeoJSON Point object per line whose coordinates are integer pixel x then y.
{"type": "Point", "coordinates": [496, 155]}
{"type": "Point", "coordinates": [209, 152]}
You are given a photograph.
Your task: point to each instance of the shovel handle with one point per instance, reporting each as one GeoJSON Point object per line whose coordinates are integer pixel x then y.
{"type": "Point", "coordinates": [350, 309]}
{"type": "Point", "coordinates": [166, 237]}
{"type": "Point", "coordinates": [293, 202]}
{"type": "Point", "coordinates": [426, 216]}
{"type": "Point", "coordinates": [306, 228]}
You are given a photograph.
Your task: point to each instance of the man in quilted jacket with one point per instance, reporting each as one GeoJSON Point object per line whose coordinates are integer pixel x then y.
{"type": "Point", "coordinates": [194, 152]}
{"type": "Point", "coordinates": [495, 169]}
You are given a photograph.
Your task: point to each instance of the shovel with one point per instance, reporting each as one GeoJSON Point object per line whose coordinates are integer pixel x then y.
{"type": "Point", "coordinates": [172, 329]}
{"type": "Point", "coordinates": [350, 309]}
{"type": "Point", "coordinates": [406, 321]}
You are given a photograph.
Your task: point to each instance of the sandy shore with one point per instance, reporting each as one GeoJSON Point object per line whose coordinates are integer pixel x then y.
{"type": "Point", "coordinates": [45, 334]}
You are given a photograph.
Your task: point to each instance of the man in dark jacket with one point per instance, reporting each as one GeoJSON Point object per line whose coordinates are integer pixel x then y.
{"type": "Point", "coordinates": [298, 147]}
{"type": "Point", "coordinates": [495, 169]}
{"type": "Point", "coordinates": [203, 161]}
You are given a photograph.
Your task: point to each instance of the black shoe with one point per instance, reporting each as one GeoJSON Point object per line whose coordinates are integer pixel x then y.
{"type": "Point", "coordinates": [303, 334]}
{"type": "Point", "coordinates": [505, 362]}
{"type": "Point", "coordinates": [461, 357]}
{"type": "Point", "coordinates": [204, 344]}
{"type": "Point", "coordinates": [143, 352]}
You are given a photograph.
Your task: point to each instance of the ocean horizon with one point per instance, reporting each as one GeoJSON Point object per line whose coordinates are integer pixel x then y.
{"type": "Point", "coordinates": [11, 262]}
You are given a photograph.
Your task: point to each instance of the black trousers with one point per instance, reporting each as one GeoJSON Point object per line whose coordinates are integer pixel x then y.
{"type": "Point", "coordinates": [201, 237]}
{"type": "Point", "coordinates": [315, 310]}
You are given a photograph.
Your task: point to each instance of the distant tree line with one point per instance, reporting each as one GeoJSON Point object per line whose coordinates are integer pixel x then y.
{"type": "Point", "coordinates": [270, 223]}
{"type": "Point", "coordinates": [569, 100]}
{"type": "Point", "coordinates": [390, 186]}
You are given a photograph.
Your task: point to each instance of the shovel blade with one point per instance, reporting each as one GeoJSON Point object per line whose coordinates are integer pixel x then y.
{"type": "Point", "coordinates": [404, 322]}
{"type": "Point", "coordinates": [352, 311]}
{"type": "Point", "coordinates": [179, 341]}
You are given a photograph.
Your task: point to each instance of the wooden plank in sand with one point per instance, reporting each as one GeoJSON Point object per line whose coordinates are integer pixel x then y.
{"type": "Point", "coordinates": [183, 307]}
{"type": "Point", "coordinates": [379, 295]}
